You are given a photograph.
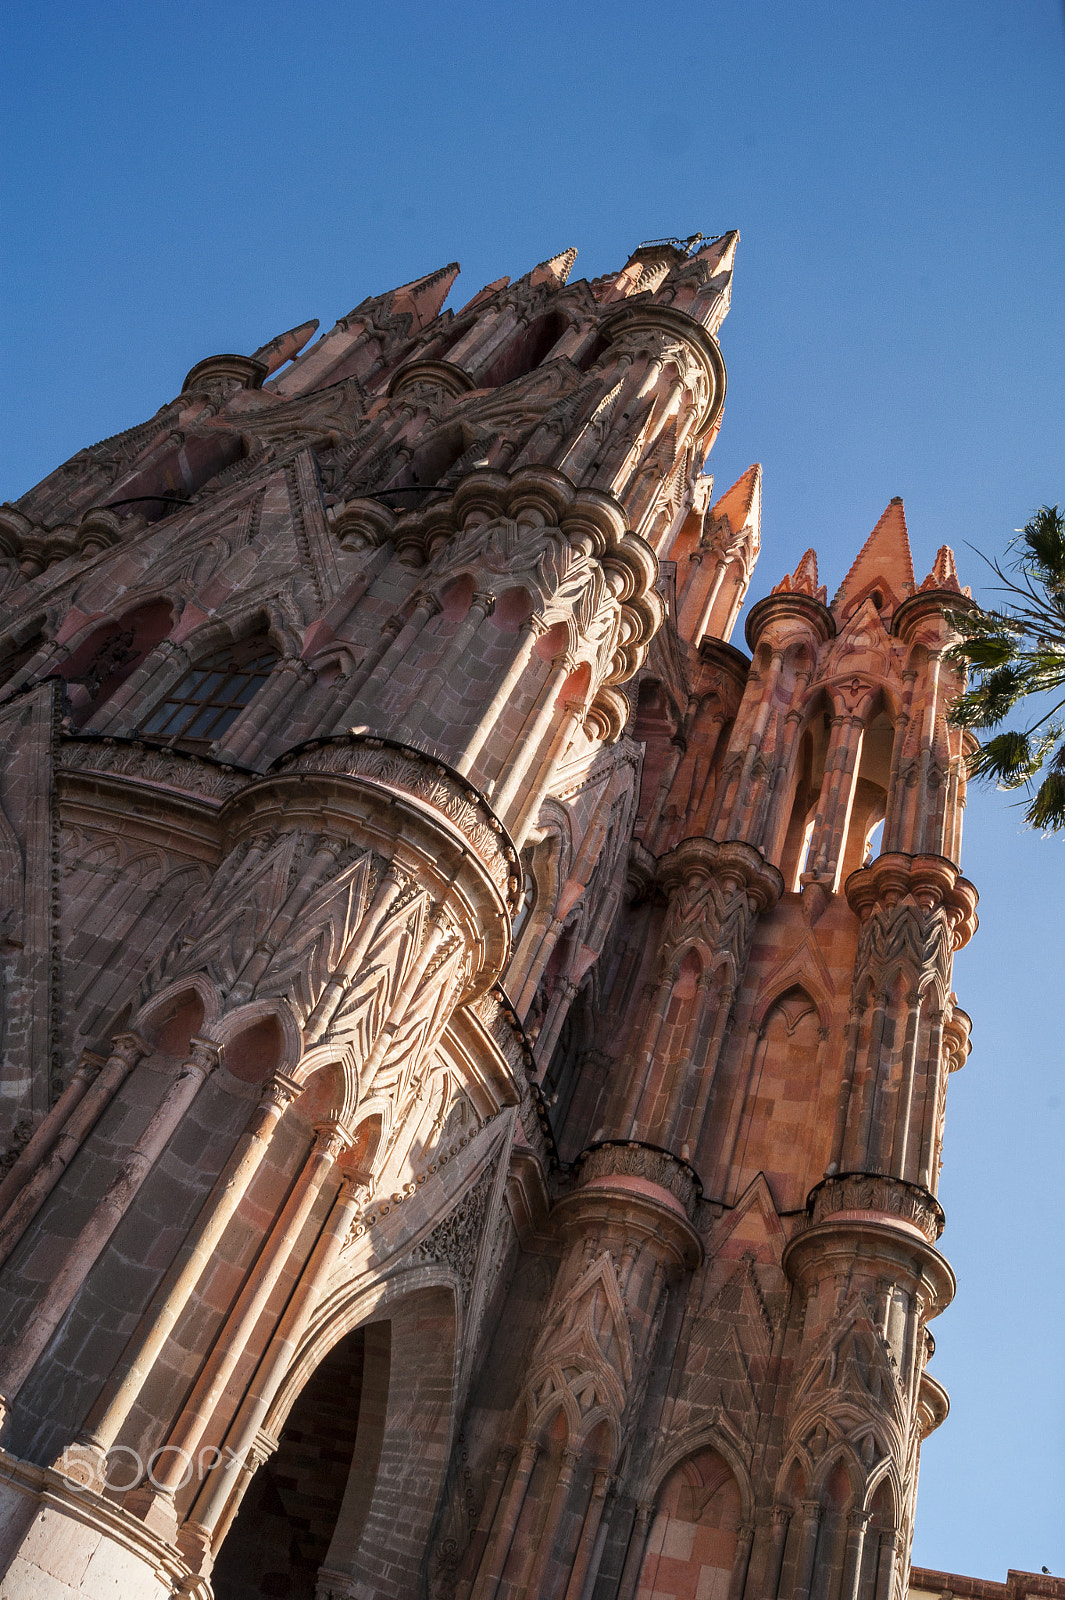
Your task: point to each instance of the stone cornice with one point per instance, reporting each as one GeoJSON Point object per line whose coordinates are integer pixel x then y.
{"type": "Point", "coordinates": [931, 882]}
{"type": "Point", "coordinates": [804, 607]}
{"type": "Point", "coordinates": [730, 862]}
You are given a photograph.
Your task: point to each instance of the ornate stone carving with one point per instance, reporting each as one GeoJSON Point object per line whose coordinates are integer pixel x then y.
{"type": "Point", "coordinates": [398, 766]}
{"type": "Point", "coordinates": [858, 1191]}
{"type": "Point", "coordinates": [457, 1239]}
{"type": "Point", "coordinates": [642, 1161]}
{"type": "Point", "coordinates": [148, 763]}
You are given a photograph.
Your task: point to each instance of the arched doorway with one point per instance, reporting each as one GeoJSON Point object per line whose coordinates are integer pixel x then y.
{"type": "Point", "coordinates": [282, 1532]}
{"type": "Point", "coordinates": [352, 1488]}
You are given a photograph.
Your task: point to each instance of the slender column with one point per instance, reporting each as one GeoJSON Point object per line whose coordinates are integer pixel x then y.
{"type": "Point", "coordinates": [106, 1215]}
{"type": "Point", "coordinates": [266, 713]}
{"type": "Point", "coordinates": [530, 631]}
{"type": "Point", "coordinates": [732, 800]}
{"type": "Point", "coordinates": [499, 1546]}
{"type": "Point", "coordinates": [683, 1064]}
{"type": "Point", "coordinates": [664, 786]}
{"type": "Point", "coordinates": [734, 1126]}
{"type": "Point", "coordinates": [854, 1024]}
{"type": "Point", "coordinates": [643, 1057]}
{"type": "Point", "coordinates": [368, 684]}
{"type": "Point", "coordinates": [630, 1572]}
{"type": "Point", "coordinates": [388, 891]}
{"type": "Point", "coordinates": [549, 1532]}
{"type": "Point", "coordinates": [872, 1079]}
{"type": "Point", "coordinates": [778, 1540]}
{"type": "Point", "coordinates": [588, 1543]}
{"type": "Point", "coordinates": [386, 639]}
{"type": "Point", "coordinates": [900, 1139]}
{"type": "Point", "coordinates": [485, 1522]}
{"type": "Point", "coordinates": [933, 1090]}
{"type": "Point", "coordinates": [561, 1001]}
{"type": "Point", "coordinates": [885, 1569]}
{"type": "Point", "coordinates": [708, 1072]}
{"type": "Point", "coordinates": [741, 1561]}
{"type": "Point", "coordinates": [804, 1566]}
{"type": "Point", "coordinates": [108, 1414]}
{"type": "Point", "coordinates": [215, 1494]}
{"type": "Point", "coordinates": [160, 668]}
{"type": "Point", "coordinates": [126, 1050]}
{"type": "Point", "coordinates": [857, 1522]}
{"type": "Point", "coordinates": [575, 710]}
{"type": "Point", "coordinates": [50, 1127]}
{"type": "Point", "coordinates": [529, 740]}
{"type": "Point", "coordinates": [231, 1341]}
{"type": "Point", "coordinates": [481, 606]}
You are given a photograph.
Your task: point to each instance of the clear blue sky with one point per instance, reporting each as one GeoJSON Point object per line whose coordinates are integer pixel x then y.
{"type": "Point", "coordinates": [186, 179]}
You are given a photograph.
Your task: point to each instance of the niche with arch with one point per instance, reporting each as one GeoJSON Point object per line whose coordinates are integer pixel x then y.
{"type": "Point", "coordinates": [691, 1547]}
{"type": "Point", "coordinates": [429, 465]}
{"type": "Point", "coordinates": [524, 351]}
{"type": "Point", "coordinates": [869, 804]}
{"type": "Point", "coordinates": [654, 726]}
{"type": "Point", "coordinates": [178, 473]}
{"type": "Point", "coordinates": [288, 1518]}
{"type": "Point", "coordinates": [110, 654]}
{"type": "Point", "coordinates": [781, 1099]}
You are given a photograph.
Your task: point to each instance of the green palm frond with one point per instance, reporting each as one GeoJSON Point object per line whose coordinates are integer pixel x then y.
{"type": "Point", "coordinates": [1015, 652]}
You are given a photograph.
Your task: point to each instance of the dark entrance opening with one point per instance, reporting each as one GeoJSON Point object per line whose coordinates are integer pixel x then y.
{"type": "Point", "coordinates": [283, 1529]}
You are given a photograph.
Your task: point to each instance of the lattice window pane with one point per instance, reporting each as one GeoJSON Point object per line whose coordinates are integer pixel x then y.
{"type": "Point", "coordinates": [211, 695]}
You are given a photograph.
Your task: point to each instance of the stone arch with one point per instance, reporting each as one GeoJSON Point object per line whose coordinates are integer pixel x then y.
{"type": "Point", "coordinates": [807, 775]}
{"type": "Point", "coordinates": [178, 1013]}
{"type": "Point", "coordinates": [177, 471]}
{"type": "Point", "coordinates": [706, 1436]}
{"type": "Point", "coordinates": [258, 1040]}
{"type": "Point", "coordinates": [402, 1433]}
{"type": "Point", "coordinates": [110, 652]}
{"type": "Point", "coordinates": [228, 663]}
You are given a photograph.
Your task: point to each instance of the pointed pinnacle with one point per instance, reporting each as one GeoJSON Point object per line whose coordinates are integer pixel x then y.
{"type": "Point", "coordinates": [423, 297]}
{"type": "Point", "coordinates": [483, 294]}
{"type": "Point", "coordinates": [944, 574]}
{"type": "Point", "coordinates": [556, 269]}
{"type": "Point", "coordinates": [286, 346]}
{"type": "Point", "coordinates": [720, 254]}
{"type": "Point", "coordinates": [742, 504]}
{"type": "Point", "coordinates": [884, 562]}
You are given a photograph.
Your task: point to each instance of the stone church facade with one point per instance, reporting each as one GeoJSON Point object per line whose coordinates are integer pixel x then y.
{"type": "Point", "coordinates": [474, 1040]}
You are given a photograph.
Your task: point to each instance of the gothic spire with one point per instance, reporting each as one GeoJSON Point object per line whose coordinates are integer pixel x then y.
{"type": "Point", "coordinates": [742, 504]}
{"type": "Point", "coordinates": [884, 563]}
{"type": "Point", "coordinates": [556, 269]}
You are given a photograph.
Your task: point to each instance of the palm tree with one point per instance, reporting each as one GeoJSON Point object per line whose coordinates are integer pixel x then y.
{"type": "Point", "coordinates": [1015, 653]}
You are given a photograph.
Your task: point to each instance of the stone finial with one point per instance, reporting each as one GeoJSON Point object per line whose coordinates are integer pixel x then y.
{"type": "Point", "coordinates": [742, 504]}
{"type": "Point", "coordinates": [423, 297]}
{"type": "Point", "coordinates": [944, 574]}
{"type": "Point", "coordinates": [285, 346]}
{"type": "Point", "coordinates": [803, 580]}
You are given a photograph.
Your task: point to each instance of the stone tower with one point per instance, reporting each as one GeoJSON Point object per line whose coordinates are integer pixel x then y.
{"type": "Point", "coordinates": [475, 1041]}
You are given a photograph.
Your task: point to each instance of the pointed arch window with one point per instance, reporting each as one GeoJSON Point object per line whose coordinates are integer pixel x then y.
{"type": "Point", "coordinates": [212, 694]}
